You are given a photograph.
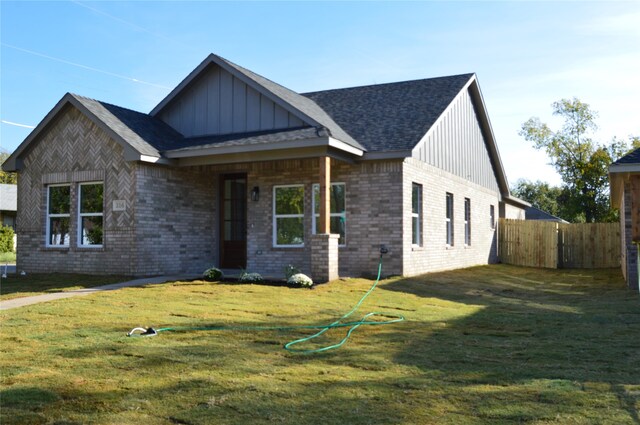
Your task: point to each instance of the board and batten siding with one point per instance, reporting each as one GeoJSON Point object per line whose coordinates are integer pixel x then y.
{"type": "Point", "coordinates": [456, 144]}
{"type": "Point", "coordinates": [219, 103]}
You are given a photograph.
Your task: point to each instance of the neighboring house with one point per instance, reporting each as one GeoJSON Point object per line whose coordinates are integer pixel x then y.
{"type": "Point", "coordinates": [234, 170]}
{"type": "Point", "coordinates": [624, 175]}
{"type": "Point", "coordinates": [8, 204]}
{"type": "Point", "coordinates": [533, 213]}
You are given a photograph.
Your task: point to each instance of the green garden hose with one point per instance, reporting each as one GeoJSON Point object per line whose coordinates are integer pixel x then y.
{"type": "Point", "coordinates": [291, 346]}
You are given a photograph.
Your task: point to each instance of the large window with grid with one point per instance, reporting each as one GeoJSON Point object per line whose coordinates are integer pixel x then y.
{"type": "Point", "coordinates": [90, 214]}
{"type": "Point", "coordinates": [288, 216]}
{"type": "Point", "coordinates": [58, 214]}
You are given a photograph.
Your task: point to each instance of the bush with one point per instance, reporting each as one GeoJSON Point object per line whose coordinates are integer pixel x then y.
{"type": "Point", "coordinates": [251, 278]}
{"type": "Point", "coordinates": [301, 280]}
{"type": "Point", "coordinates": [290, 271]}
{"type": "Point", "coordinates": [213, 274]}
{"type": "Point", "coordinates": [6, 239]}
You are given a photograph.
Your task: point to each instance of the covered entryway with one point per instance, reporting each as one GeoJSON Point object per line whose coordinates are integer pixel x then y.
{"type": "Point", "coordinates": [233, 221]}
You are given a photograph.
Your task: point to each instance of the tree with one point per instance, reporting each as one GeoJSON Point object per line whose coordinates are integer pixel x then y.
{"type": "Point", "coordinates": [582, 163]}
{"type": "Point", "coordinates": [540, 194]}
{"type": "Point", "coordinates": [5, 177]}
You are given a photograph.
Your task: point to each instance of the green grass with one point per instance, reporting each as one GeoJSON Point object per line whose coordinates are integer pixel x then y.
{"type": "Point", "coordinates": [7, 258]}
{"type": "Point", "coordinates": [487, 345]}
{"type": "Point", "coordinates": [41, 283]}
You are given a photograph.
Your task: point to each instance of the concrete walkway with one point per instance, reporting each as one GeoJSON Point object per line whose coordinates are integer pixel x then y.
{"type": "Point", "coordinates": [21, 302]}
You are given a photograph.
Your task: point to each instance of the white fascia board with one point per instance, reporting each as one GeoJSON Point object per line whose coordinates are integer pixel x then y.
{"type": "Point", "coordinates": [624, 168]}
{"type": "Point", "coordinates": [239, 149]}
{"type": "Point", "coordinates": [156, 160]}
{"type": "Point", "coordinates": [339, 144]}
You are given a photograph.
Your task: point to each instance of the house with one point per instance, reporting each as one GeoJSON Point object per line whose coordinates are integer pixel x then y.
{"type": "Point", "coordinates": [8, 204]}
{"type": "Point", "coordinates": [533, 213]}
{"type": "Point", "coordinates": [624, 175]}
{"type": "Point", "coordinates": [234, 170]}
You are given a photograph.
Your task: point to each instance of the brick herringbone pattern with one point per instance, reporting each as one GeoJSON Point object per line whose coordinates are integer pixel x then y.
{"type": "Point", "coordinates": [74, 150]}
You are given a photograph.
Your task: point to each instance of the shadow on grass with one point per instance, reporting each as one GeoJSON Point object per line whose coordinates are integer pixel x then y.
{"type": "Point", "coordinates": [529, 325]}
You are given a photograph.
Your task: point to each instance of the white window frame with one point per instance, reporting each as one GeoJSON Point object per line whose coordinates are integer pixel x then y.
{"type": "Point", "coordinates": [50, 216]}
{"type": "Point", "coordinates": [276, 217]}
{"type": "Point", "coordinates": [416, 215]}
{"type": "Point", "coordinates": [467, 222]}
{"type": "Point", "coordinates": [314, 216]}
{"type": "Point", "coordinates": [449, 220]}
{"type": "Point", "coordinates": [81, 215]}
{"type": "Point", "coordinates": [492, 216]}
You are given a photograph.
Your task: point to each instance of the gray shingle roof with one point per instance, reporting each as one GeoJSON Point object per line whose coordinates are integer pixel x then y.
{"type": "Point", "coordinates": [146, 134]}
{"type": "Point", "coordinates": [630, 158]}
{"type": "Point", "coordinates": [390, 117]}
{"type": "Point", "coordinates": [245, 139]}
{"type": "Point", "coordinates": [304, 104]}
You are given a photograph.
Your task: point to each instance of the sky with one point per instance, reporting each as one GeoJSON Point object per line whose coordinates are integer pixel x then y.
{"type": "Point", "coordinates": [526, 56]}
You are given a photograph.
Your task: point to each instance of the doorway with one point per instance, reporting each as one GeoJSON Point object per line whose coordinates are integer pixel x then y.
{"type": "Point", "coordinates": [233, 221]}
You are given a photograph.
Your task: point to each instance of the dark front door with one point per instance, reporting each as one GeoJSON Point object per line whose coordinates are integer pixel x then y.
{"type": "Point", "coordinates": [233, 221]}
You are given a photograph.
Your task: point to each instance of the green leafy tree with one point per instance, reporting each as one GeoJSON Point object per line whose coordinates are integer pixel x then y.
{"type": "Point", "coordinates": [539, 194]}
{"type": "Point", "coordinates": [582, 163]}
{"type": "Point", "coordinates": [5, 177]}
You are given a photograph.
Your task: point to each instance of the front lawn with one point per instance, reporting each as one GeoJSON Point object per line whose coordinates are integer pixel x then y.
{"type": "Point", "coordinates": [487, 345]}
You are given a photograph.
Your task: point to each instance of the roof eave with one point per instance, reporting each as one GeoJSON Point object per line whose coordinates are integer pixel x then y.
{"type": "Point", "coordinates": [209, 150]}
{"type": "Point", "coordinates": [14, 162]}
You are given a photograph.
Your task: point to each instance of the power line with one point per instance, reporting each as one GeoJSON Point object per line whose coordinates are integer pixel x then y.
{"type": "Point", "coordinates": [90, 68]}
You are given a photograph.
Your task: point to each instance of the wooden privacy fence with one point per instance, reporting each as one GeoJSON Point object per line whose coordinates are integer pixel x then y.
{"type": "Point", "coordinates": [535, 243]}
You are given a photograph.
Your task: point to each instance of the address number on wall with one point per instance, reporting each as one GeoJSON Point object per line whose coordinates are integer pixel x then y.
{"type": "Point", "coordinates": [119, 205]}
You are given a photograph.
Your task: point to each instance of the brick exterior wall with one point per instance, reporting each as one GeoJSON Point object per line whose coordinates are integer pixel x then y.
{"type": "Point", "coordinates": [434, 254]}
{"type": "Point", "coordinates": [175, 210]}
{"type": "Point", "coordinates": [629, 258]}
{"type": "Point", "coordinates": [75, 150]}
{"type": "Point", "coordinates": [170, 223]}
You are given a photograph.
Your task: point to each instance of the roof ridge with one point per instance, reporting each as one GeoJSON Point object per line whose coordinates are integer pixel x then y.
{"type": "Point", "coordinates": [107, 103]}
{"type": "Point", "coordinates": [470, 74]}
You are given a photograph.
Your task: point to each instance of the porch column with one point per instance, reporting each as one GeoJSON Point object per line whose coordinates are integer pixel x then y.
{"type": "Point", "coordinates": [324, 246]}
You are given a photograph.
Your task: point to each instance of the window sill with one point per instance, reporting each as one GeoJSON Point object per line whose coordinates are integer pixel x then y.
{"type": "Point", "coordinates": [55, 248]}
{"type": "Point", "coordinates": [417, 248]}
{"type": "Point", "coordinates": [449, 247]}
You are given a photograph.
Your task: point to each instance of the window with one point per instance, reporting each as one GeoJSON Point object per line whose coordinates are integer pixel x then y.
{"type": "Point", "coordinates": [492, 216]}
{"type": "Point", "coordinates": [416, 214]}
{"type": "Point", "coordinates": [58, 207]}
{"type": "Point", "coordinates": [90, 213]}
{"type": "Point", "coordinates": [449, 219]}
{"type": "Point", "coordinates": [467, 221]}
{"type": "Point", "coordinates": [338, 216]}
{"type": "Point", "coordinates": [288, 216]}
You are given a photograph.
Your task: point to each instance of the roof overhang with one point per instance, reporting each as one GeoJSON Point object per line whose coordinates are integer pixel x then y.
{"type": "Point", "coordinates": [619, 174]}
{"type": "Point", "coordinates": [516, 202]}
{"type": "Point", "coordinates": [248, 152]}
{"type": "Point", "coordinates": [14, 162]}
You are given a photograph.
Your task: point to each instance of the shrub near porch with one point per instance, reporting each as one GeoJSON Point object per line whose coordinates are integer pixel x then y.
{"type": "Point", "coordinates": [493, 344]}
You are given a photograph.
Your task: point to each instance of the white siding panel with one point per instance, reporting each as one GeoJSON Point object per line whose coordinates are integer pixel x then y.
{"type": "Point", "coordinates": [266, 113]}
{"type": "Point", "coordinates": [213, 96]}
{"type": "Point", "coordinates": [281, 117]}
{"type": "Point", "coordinates": [239, 106]}
{"type": "Point", "coordinates": [253, 110]}
{"type": "Point", "coordinates": [226, 102]}
{"type": "Point", "coordinates": [219, 103]}
{"type": "Point", "coordinates": [295, 121]}
{"type": "Point", "coordinates": [456, 144]}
